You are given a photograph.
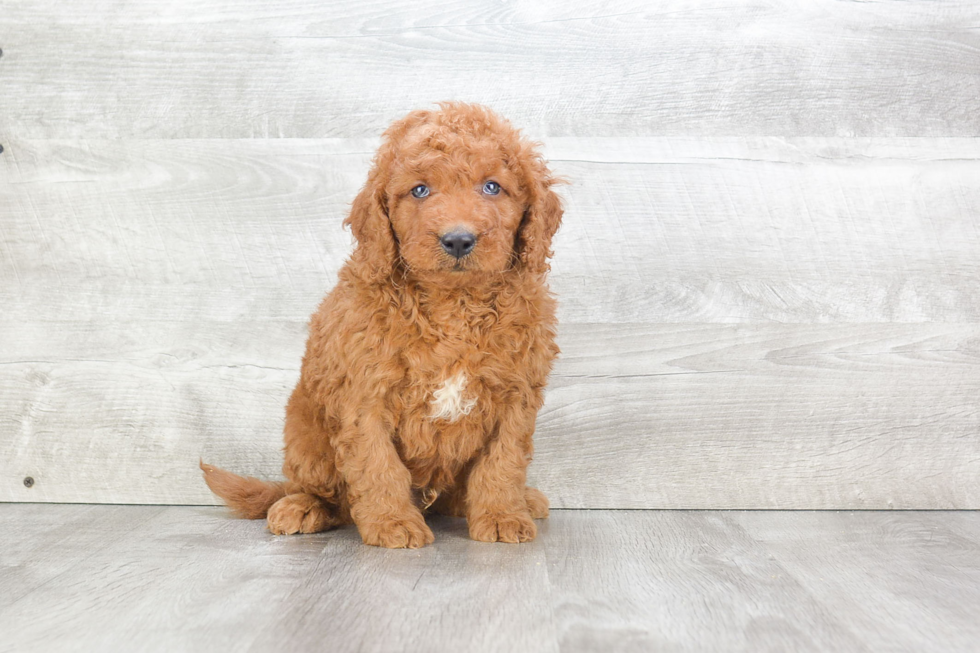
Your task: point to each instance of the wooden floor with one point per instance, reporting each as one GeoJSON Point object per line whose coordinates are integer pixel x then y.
{"type": "Point", "coordinates": [90, 578]}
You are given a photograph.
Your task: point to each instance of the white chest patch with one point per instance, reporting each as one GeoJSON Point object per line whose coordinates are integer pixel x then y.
{"type": "Point", "coordinates": [448, 402]}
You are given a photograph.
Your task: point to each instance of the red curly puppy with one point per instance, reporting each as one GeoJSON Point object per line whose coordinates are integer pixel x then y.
{"type": "Point", "coordinates": [425, 365]}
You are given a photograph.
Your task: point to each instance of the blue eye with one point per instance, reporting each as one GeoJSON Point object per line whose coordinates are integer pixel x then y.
{"type": "Point", "coordinates": [420, 191]}
{"type": "Point", "coordinates": [491, 188]}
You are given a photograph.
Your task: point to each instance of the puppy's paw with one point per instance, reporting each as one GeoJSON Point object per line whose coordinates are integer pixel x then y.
{"type": "Point", "coordinates": [299, 513]}
{"type": "Point", "coordinates": [503, 527]}
{"type": "Point", "coordinates": [537, 502]}
{"type": "Point", "coordinates": [405, 532]}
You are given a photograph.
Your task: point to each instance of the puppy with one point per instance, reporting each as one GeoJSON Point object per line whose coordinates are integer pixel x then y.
{"type": "Point", "coordinates": [425, 366]}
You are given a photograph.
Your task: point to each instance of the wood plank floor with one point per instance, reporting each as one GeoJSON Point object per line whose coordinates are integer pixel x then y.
{"type": "Point", "coordinates": [140, 578]}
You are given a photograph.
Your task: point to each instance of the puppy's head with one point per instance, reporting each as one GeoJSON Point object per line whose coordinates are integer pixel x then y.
{"type": "Point", "coordinates": [455, 192]}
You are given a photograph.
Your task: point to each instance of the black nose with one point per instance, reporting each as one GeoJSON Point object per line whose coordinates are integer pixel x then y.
{"type": "Point", "coordinates": [458, 243]}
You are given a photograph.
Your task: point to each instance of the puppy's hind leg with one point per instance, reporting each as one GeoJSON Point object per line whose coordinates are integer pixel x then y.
{"type": "Point", "coordinates": [537, 502]}
{"type": "Point", "coordinates": [301, 513]}
{"type": "Point", "coordinates": [314, 500]}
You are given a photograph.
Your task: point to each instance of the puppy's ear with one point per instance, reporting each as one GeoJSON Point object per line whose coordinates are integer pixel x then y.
{"type": "Point", "coordinates": [541, 220]}
{"type": "Point", "coordinates": [376, 250]}
{"type": "Point", "coordinates": [377, 246]}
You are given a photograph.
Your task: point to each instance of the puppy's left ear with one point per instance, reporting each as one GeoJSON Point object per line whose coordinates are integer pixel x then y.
{"type": "Point", "coordinates": [541, 220]}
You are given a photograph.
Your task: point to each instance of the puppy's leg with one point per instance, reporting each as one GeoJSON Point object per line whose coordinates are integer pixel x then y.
{"type": "Point", "coordinates": [301, 513]}
{"type": "Point", "coordinates": [497, 507]}
{"type": "Point", "coordinates": [310, 463]}
{"type": "Point", "coordinates": [379, 486]}
{"type": "Point", "coordinates": [537, 502]}
{"type": "Point", "coordinates": [452, 503]}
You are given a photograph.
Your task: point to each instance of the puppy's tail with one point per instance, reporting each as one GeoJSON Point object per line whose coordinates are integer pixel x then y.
{"type": "Point", "coordinates": [248, 497]}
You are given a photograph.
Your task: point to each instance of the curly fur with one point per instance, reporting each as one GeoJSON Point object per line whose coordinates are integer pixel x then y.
{"type": "Point", "coordinates": [423, 374]}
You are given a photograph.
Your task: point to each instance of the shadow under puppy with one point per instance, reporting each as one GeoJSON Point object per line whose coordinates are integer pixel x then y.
{"type": "Point", "coordinates": [425, 366]}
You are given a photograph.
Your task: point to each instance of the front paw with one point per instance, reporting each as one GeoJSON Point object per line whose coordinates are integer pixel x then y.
{"type": "Point", "coordinates": [513, 527]}
{"type": "Point", "coordinates": [405, 532]}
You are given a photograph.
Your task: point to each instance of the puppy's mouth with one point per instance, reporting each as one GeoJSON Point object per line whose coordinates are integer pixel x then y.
{"type": "Point", "coordinates": [454, 265]}
{"type": "Point", "coordinates": [458, 269]}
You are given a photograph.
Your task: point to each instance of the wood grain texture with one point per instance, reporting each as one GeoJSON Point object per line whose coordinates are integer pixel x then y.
{"type": "Point", "coordinates": [636, 416]}
{"type": "Point", "coordinates": [156, 294]}
{"type": "Point", "coordinates": [879, 572]}
{"type": "Point", "coordinates": [675, 581]}
{"type": "Point", "coordinates": [305, 69]}
{"type": "Point", "coordinates": [191, 579]}
{"type": "Point", "coordinates": [726, 230]}
{"type": "Point", "coordinates": [768, 272]}
{"type": "Point", "coordinates": [763, 416]}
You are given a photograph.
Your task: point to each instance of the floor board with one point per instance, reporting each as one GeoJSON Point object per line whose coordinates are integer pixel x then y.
{"type": "Point", "coordinates": [75, 577]}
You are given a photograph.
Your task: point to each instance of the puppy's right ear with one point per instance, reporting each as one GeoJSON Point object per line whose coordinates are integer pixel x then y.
{"type": "Point", "coordinates": [376, 250]}
{"type": "Point", "coordinates": [377, 246]}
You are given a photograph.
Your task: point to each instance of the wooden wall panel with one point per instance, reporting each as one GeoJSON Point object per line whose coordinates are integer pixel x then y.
{"type": "Point", "coordinates": [769, 271]}
{"type": "Point", "coordinates": [636, 416]}
{"type": "Point", "coordinates": [657, 230]}
{"type": "Point", "coordinates": [312, 69]}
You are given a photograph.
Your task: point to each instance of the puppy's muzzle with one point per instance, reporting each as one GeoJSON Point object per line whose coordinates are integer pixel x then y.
{"type": "Point", "coordinates": [458, 243]}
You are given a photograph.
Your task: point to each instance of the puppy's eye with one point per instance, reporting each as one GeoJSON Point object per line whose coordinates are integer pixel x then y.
{"type": "Point", "coordinates": [420, 191]}
{"type": "Point", "coordinates": [491, 188]}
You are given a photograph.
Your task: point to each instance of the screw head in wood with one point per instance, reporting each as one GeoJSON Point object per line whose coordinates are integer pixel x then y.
{"type": "Point", "coordinates": [29, 482]}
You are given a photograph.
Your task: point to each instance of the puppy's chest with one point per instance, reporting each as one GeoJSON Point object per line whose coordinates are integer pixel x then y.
{"type": "Point", "coordinates": [454, 398]}
{"type": "Point", "coordinates": [449, 389]}
{"type": "Point", "coordinates": [446, 415]}
{"type": "Point", "coordinates": [455, 381]}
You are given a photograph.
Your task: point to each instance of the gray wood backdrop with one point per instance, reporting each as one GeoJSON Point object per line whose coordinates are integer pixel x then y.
{"type": "Point", "coordinates": [768, 271]}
